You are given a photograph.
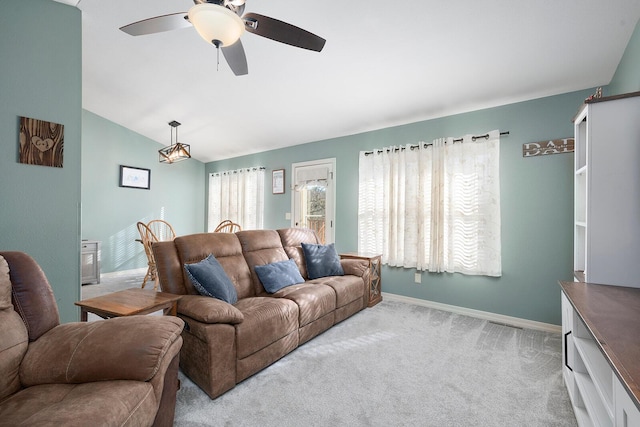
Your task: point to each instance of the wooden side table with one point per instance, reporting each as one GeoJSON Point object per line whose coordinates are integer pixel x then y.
{"type": "Point", "coordinates": [128, 303]}
{"type": "Point", "coordinates": [375, 277]}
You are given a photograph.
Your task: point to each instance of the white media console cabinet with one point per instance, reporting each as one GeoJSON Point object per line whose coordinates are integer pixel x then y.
{"type": "Point", "coordinates": [601, 352]}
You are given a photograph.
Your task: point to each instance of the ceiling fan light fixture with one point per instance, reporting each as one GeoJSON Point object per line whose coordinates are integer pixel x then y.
{"type": "Point", "coordinates": [175, 152]}
{"type": "Point", "coordinates": [216, 23]}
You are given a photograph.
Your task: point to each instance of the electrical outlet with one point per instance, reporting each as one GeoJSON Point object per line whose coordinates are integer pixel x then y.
{"type": "Point", "coordinates": [418, 278]}
{"type": "Point", "coordinates": [287, 216]}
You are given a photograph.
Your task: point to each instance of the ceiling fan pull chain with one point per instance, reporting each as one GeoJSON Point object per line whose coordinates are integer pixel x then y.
{"type": "Point", "coordinates": [216, 43]}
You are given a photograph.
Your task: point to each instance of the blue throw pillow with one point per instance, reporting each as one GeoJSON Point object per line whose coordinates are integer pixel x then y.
{"type": "Point", "coordinates": [210, 280]}
{"type": "Point", "coordinates": [278, 275]}
{"type": "Point", "coordinates": [321, 260]}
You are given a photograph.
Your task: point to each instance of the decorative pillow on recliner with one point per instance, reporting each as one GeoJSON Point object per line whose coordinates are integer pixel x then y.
{"type": "Point", "coordinates": [278, 275]}
{"type": "Point", "coordinates": [321, 260]}
{"type": "Point", "coordinates": [210, 280]}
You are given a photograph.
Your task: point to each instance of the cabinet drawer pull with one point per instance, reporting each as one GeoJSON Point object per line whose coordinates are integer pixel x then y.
{"type": "Point", "coordinates": [566, 351]}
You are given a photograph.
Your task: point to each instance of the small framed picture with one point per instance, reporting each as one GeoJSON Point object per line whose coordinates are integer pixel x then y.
{"type": "Point", "coordinates": [278, 181]}
{"type": "Point", "coordinates": [132, 177]}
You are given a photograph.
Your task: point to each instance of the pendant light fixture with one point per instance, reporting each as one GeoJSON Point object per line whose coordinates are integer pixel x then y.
{"type": "Point", "coordinates": [174, 152]}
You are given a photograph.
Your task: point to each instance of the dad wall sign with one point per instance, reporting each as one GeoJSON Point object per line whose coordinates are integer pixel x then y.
{"type": "Point", "coordinates": [557, 146]}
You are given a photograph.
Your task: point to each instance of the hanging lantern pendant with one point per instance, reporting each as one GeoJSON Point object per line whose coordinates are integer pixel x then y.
{"type": "Point", "coordinates": [174, 152]}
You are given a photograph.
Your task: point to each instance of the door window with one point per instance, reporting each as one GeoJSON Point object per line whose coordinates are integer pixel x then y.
{"type": "Point", "coordinates": [313, 197]}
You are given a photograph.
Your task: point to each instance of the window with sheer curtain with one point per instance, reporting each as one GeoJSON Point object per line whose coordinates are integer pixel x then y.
{"type": "Point", "coordinates": [237, 195]}
{"type": "Point", "coordinates": [434, 207]}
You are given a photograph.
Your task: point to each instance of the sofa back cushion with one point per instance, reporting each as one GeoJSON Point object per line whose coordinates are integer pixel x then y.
{"type": "Point", "coordinates": [13, 337]}
{"type": "Point", "coordinates": [169, 268]}
{"type": "Point", "coordinates": [292, 239]}
{"type": "Point", "coordinates": [32, 296]}
{"type": "Point", "coordinates": [226, 248]}
{"type": "Point", "coordinates": [261, 247]}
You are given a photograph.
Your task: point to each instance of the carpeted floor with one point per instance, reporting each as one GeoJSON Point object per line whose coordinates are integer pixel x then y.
{"type": "Point", "coordinates": [113, 282]}
{"type": "Point", "coordinates": [398, 364]}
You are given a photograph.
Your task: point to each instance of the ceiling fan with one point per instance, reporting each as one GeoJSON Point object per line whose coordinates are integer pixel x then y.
{"type": "Point", "coordinates": [221, 23]}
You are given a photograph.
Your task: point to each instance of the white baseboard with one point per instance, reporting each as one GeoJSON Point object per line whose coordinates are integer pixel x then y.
{"type": "Point", "coordinates": [492, 317]}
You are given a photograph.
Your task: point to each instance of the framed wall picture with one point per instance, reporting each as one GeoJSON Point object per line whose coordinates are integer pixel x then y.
{"type": "Point", "coordinates": [133, 177]}
{"type": "Point", "coordinates": [277, 181]}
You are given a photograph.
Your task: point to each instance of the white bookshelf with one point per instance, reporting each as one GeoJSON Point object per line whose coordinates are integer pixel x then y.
{"type": "Point", "coordinates": [607, 191]}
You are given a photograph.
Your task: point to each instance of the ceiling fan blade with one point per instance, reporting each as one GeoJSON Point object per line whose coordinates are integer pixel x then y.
{"type": "Point", "coordinates": [282, 32]}
{"type": "Point", "coordinates": [236, 58]}
{"type": "Point", "coordinates": [158, 24]}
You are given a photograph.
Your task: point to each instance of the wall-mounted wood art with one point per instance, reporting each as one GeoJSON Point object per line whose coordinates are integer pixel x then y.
{"type": "Point", "coordinates": [40, 142]}
{"type": "Point", "coordinates": [557, 146]}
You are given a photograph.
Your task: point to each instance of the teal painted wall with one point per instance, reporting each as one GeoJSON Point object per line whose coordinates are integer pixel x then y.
{"type": "Point", "coordinates": [110, 212]}
{"type": "Point", "coordinates": [536, 202]}
{"type": "Point", "coordinates": [41, 77]}
{"type": "Point", "coordinates": [40, 206]}
{"type": "Point", "coordinates": [627, 76]}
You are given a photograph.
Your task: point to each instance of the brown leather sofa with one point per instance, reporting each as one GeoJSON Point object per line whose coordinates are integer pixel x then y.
{"type": "Point", "coordinates": [116, 372]}
{"type": "Point", "coordinates": [224, 343]}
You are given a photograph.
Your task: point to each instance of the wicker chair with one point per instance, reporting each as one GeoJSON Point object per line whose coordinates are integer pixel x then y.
{"type": "Point", "coordinates": [227, 226]}
{"type": "Point", "coordinates": [156, 230]}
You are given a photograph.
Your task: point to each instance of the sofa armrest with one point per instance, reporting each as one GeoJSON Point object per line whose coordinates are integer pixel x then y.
{"type": "Point", "coordinates": [355, 267]}
{"type": "Point", "coordinates": [209, 310]}
{"type": "Point", "coordinates": [123, 348]}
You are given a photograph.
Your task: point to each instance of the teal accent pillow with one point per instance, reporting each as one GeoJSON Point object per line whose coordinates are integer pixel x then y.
{"type": "Point", "coordinates": [322, 260]}
{"type": "Point", "coordinates": [278, 275]}
{"type": "Point", "coordinates": [210, 280]}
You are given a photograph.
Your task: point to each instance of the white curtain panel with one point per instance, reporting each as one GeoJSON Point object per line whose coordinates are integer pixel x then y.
{"type": "Point", "coordinates": [238, 196]}
{"type": "Point", "coordinates": [372, 212]}
{"type": "Point", "coordinates": [434, 208]}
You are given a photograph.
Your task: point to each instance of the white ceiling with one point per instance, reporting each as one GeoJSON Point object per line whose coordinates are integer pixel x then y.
{"type": "Point", "coordinates": [382, 66]}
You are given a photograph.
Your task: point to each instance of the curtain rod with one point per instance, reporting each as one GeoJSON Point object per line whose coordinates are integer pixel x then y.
{"type": "Point", "coordinates": [485, 136]}
{"type": "Point", "coordinates": [238, 170]}
{"type": "Point", "coordinates": [426, 144]}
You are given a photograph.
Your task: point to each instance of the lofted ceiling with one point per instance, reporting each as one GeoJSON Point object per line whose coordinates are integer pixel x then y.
{"type": "Point", "coordinates": [382, 65]}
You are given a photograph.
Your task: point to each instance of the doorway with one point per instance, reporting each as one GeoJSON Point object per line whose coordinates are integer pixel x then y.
{"type": "Point", "coordinates": [314, 197]}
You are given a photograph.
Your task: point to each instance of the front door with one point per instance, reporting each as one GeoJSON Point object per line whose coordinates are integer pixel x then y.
{"type": "Point", "coordinates": [314, 197]}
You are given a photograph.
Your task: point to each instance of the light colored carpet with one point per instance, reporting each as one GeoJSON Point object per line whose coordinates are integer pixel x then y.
{"type": "Point", "coordinates": [113, 282]}
{"type": "Point", "coordinates": [398, 364]}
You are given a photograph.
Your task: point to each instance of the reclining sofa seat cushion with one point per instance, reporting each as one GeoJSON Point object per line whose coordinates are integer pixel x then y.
{"type": "Point", "coordinates": [265, 328]}
{"type": "Point", "coordinates": [349, 289]}
{"type": "Point", "coordinates": [315, 300]}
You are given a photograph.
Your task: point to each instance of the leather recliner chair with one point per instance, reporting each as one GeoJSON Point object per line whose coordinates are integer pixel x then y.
{"type": "Point", "coordinates": [120, 372]}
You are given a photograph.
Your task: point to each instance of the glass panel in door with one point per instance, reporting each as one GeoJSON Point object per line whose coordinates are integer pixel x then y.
{"type": "Point", "coordinates": [313, 203]}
